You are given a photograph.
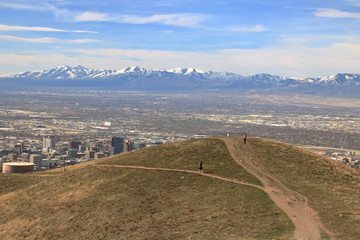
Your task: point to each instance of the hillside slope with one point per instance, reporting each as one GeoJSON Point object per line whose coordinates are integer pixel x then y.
{"type": "Point", "coordinates": [99, 200]}
{"type": "Point", "coordinates": [89, 202]}
{"type": "Point", "coordinates": [329, 187]}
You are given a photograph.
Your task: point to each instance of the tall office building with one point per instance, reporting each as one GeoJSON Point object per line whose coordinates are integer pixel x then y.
{"type": "Point", "coordinates": [72, 153]}
{"type": "Point", "coordinates": [48, 143]}
{"type": "Point", "coordinates": [74, 145]}
{"type": "Point", "coordinates": [117, 145]}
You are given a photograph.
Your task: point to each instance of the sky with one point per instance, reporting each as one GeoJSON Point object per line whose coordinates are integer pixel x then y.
{"type": "Point", "coordinates": [297, 38]}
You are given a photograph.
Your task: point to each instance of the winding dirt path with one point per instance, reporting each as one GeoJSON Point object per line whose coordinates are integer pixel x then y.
{"type": "Point", "coordinates": [308, 225]}
{"type": "Point", "coordinates": [182, 170]}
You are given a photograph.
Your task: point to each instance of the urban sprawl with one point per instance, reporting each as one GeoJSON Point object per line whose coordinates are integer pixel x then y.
{"type": "Point", "coordinates": [51, 130]}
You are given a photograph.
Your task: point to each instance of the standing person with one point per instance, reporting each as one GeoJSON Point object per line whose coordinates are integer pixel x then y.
{"type": "Point", "coordinates": [245, 137]}
{"type": "Point", "coordinates": [200, 166]}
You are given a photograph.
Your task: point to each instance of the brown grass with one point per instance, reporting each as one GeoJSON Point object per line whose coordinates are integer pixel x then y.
{"type": "Point", "coordinates": [87, 202]}
{"type": "Point", "coordinates": [187, 155]}
{"type": "Point", "coordinates": [332, 188]}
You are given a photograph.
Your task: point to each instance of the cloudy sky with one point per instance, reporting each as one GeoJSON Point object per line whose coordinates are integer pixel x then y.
{"type": "Point", "coordinates": [298, 38]}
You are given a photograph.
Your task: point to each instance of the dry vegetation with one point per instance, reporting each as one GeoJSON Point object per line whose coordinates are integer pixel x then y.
{"type": "Point", "coordinates": [187, 155]}
{"type": "Point", "coordinates": [87, 202]}
{"type": "Point", "coordinates": [332, 188]}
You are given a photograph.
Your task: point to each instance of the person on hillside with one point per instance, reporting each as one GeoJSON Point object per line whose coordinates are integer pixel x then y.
{"type": "Point", "coordinates": [245, 138]}
{"type": "Point", "coordinates": [201, 167]}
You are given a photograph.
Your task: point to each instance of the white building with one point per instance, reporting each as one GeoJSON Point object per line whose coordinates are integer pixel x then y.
{"type": "Point", "coordinates": [48, 143]}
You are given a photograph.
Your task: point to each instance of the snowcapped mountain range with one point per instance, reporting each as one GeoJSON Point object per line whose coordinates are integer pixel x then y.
{"type": "Point", "coordinates": [80, 72]}
{"type": "Point", "coordinates": [172, 79]}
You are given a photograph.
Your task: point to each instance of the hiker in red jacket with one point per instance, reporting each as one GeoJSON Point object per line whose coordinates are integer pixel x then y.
{"type": "Point", "coordinates": [245, 137]}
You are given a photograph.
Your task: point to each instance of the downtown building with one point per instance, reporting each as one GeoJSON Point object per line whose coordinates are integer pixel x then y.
{"type": "Point", "coordinates": [48, 143]}
{"type": "Point", "coordinates": [117, 145]}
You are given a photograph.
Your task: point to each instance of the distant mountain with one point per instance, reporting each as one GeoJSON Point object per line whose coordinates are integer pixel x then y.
{"type": "Point", "coordinates": [138, 78]}
{"type": "Point", "coordinates": [340, 79]}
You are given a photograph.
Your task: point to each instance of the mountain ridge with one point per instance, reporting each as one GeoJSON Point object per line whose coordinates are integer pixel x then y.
{"type": "Point", "coordinates": [138, 78]}
{"type": "Point", "coordinates": [81, 71]}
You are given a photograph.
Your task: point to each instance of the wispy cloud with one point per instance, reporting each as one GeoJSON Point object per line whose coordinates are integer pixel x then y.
{"type": "Point", "coordinates": [334, 13]}
{"type": "Point", "coordinates": [60, 13]}
{"type": "Point", "coordinates": [39, 29]}
{"type": "Point", "coordinates": [354, 2]}
{"type": "Point", "coordinates": [257, 28]}
{"type": "Point", "coordinates": [181, 19]}
{"type": "Point", "coordinates": [46, 40]}
{"type": "Point", "coordinates": [20, 6]}
{"type": "Point", "coordinates": [298, 62]}
{"type": "Point", "coordinates": [92, 16]}
{"type": "Point", "coordinates": [185, 20]}
{"type": "Point", "coordinates": [301, 61]}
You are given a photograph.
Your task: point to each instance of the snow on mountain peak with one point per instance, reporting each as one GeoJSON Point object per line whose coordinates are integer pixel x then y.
{"type": "Point", "coordinates": [339, 79]}
{"type": "Point", "coordinates": [185, 71]}
{"type": "Point", "coordinates": [198, 76]}
{"type": "Point", "coordinates": [79, 67]}
{"type": "Point", "coordinates": [62, 67]}
{"type": "Point", "coordinates": [132, 69]}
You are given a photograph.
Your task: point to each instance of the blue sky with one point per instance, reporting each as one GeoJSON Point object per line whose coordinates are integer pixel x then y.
{"type": "Point", "coordinates": [299, 38]}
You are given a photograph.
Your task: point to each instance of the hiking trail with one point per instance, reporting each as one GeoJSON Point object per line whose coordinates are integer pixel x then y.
{"type": "Point", "coordinates": [306, 220]}
{"type": "Point", "coordinates": [185, 171]}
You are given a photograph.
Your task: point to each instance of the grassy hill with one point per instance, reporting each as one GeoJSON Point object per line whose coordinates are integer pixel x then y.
{"type": "Point", "coordinates": [92, 201]}
{"type": "Point", "coordinates": [332, 188]}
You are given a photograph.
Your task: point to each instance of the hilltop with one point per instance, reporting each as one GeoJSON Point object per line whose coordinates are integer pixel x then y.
{"type": "Point", "coordinates": [158, 193]}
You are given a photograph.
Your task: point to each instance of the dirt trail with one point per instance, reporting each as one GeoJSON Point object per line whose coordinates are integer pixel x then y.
{"type": "Point", "coordinates": [182, 170]}
{"type": "Point", "coordinates": [308, 225]}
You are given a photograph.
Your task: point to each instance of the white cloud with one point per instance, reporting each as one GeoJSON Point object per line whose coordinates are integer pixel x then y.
{"type": "Point", "coordinates": [334, 13]}
{"type": "Point", "coordinates": [186, 20]}
{"type": "Point", "coordinates": [46, 40]}
{"type": "Point", "coordinates": [43, 61]}
{"type": "Point", "coordinates": [39, 29]}
{"type": "Point", "coordinates": [257, 28]}
{"type": "Point", "coordinates": [300, 61]}
{"type": "Point", "coordinates": [18, 6]}
{"type": "Point", "coordinates": [354, 2]}
{"type": "Point", "coordinates": [78, 41]}
{"type": "Point", "coordinates": [91, 16]}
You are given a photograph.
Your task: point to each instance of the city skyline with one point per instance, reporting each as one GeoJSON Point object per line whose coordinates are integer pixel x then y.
{"type": "Point", "coordinates": [301, 38]}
